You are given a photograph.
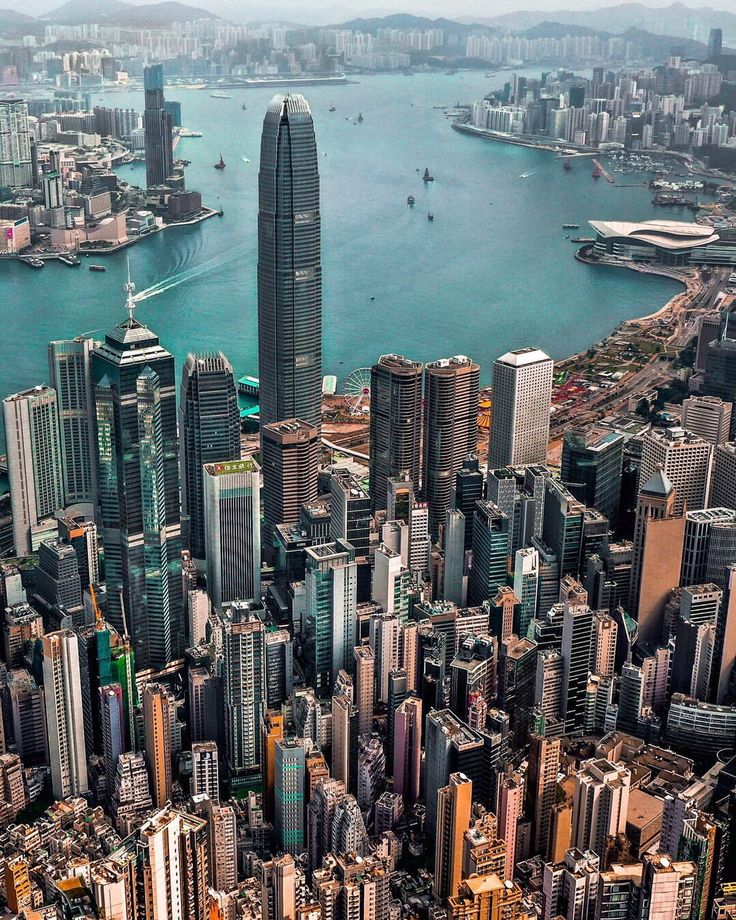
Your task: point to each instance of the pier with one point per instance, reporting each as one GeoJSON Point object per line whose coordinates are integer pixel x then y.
{"type": "Point", "coordinates": [604, 172]}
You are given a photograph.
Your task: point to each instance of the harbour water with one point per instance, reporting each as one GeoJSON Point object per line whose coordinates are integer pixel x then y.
{"type": "Point", "coordinates": [492, 271]}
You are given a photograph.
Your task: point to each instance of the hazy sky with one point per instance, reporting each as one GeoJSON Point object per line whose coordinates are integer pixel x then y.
{"type": "Point", "coordinates": [330, 11]}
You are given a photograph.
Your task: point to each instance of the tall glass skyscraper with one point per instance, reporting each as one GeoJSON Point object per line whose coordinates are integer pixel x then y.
{"type": "Point", "coordinates": [157, 128]}
{"type": "Point", "coordinates": [209, 430]}
{"type": "Point", "coordinates": [138, 478]}
{"type": "Point", "coordinates": [289, 265]}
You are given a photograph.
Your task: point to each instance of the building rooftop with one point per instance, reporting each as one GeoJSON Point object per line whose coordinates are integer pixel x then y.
{"type": "Point", "coordinates": [230, 467]}
{"type": "Point", "coordinates": [665, 234]}
{"type": "Point", "coordinates": [657, 484]}
{"type": "Point", "coordinates": [522, 357]}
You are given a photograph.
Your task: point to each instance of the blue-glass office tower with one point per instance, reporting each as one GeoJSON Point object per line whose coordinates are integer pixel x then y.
{"type": "Point", "coordinates": [289, 265]}
{"type": "Point", "coordinates": [138, 479]}
{"type": "Point", "coordinates": [157, 128]}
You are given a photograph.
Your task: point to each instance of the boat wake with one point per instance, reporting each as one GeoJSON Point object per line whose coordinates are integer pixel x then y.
{"type": "Point", "coordinates": [182, 277]}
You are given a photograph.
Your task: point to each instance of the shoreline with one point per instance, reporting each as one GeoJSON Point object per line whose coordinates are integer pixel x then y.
{"type": "Point", "coordinates": [692, 285]}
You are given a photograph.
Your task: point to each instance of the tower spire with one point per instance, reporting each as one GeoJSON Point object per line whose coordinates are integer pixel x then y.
{"type": "Point", "coordinates": [130, 304]}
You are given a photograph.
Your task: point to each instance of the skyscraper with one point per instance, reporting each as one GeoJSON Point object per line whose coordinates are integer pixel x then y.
{"type": "Point", "coordinates": [206, 770]}
{"type": "Point", "coordinates": [454, 806]}
{"type": "Point", "coordinates": [289, 787]}
{"type": "Point", "coordinates": [396, 423]}
{"type": "Point", "coordinates": [290, 462]}
{"type": "Point", "coordinates": [157, 729]}
{"type": "Point", "coordinates": [685, 460]}
{"type": "Point", "coordinates": [522, 392]}
{"type": "Point", "coordinates": [331, 593]}
{"type": "Point", "coordinates": [113, 730]}
{"type": "Point", "coordinates": [244, 653]}
{"type": "Point", "coordinates": [715, 44]}
{"type": "Point", "coordinates": [209, 431]}
{"type": "Point", "coordinates": [658, 543]}
{"type": "Point", "coordinates": [15, 144]}
{"type": "Point", "coordinates": [708, 417]}
{"type": "Point", "coordinates": [138, 481]}
{"type": "Point", "coordinates": [232, 516]}
{"type": "Point", "coordinates": [723, 483]}
{"type": "Point", "coordinates": [600, 802]}
{"type": "Point", "coordinates": [172, 859]}
{"type": "Point", "coordinates": [157, 128]}
{"type": "Point", "coordinates": [64, 716]}
{"type": "Point", "coordinates": [591, 468]}
{"type": "Point", "coordinates": [70, 375]}
{"type": "Point", "coordinates": [450, 428]}
{"type": "Point", "coordinates": [491, 548]}
{"type": "Point", "coordinates": [289, 265]}
{"type": "Point", "coordinates": [35, 464]}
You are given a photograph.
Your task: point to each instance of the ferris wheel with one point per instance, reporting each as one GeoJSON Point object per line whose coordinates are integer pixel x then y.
{"type": "Point", "coordinates": [358, 389]}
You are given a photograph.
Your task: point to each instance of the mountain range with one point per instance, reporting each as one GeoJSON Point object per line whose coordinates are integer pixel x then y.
{"type": "Point", "coordinates": [109, 12]}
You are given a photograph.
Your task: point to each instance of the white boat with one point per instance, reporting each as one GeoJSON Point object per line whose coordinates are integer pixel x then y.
{"type": "Point", "coordinates": [220, 96]}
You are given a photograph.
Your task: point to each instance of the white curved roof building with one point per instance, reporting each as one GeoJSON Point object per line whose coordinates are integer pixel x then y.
{"type": "Point", "coordinates": [671, 242]}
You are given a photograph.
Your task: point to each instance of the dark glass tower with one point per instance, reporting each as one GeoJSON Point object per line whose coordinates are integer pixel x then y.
{"type": "Point", "coordinates": [209, 429]}
{"type": "Point", "coordinates": [138, 479]}
{"type": "Point", "coordinates": [396, 423]}
{"type": "Point", "coordinates": [289, 266]}
{"type": "Point", "coordinates": [157, 128]}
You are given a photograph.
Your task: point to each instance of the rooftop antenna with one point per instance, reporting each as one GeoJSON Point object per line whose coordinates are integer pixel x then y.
{"type": "Point", "coordinates": [130, 299]}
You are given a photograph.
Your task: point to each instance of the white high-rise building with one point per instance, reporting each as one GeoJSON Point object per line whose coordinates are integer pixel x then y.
{"type": "Point", "coordinates": [205, 770]}
{"type": "Point", "coordinates": [600, 803]}
{"type": "Point", "coordinates": [522, 393]}
{"type": "Point", "coordinates": [684, 458]}
{"type": "Point", "coordinates": [391, 583]}
{"type": "Point", "coordinates": [172, 857]}
{"type": "Point", "coordinates": [35, 465]}
{"type": "Point", "coordinates": [232, 515]}
{"type": "Point", "coordinates": [64, 716]}
{"type": "Point", "coordinates": [15, 144]}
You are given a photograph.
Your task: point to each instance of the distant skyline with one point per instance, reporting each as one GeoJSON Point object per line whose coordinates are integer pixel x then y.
{"type": "Point", "coordinates": [319, 13]}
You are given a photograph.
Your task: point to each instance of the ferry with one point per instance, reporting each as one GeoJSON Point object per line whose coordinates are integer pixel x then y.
{"type": "Point", "coordinates": [571, 226]}
{"type": "Point", "coordinates": [185, 132]}
{"type": "Point", "coordinates": [68, 258]}
{"type": "Point", "coordinates": [582, 239]}
{"type": "Point", "coordinates": [220, 164]}
{"type": "Point", "coordinates": [33, 262]}
{"type": "Point", "coordinates": [219, 95]}
{"type": "Point", "coordinates": [97, 268]}
{"type": "Point", "coordinates": [427, 177]}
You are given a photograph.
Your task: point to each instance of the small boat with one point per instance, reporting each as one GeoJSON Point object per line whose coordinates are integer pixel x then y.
{"type": "Point", "coordinates": [332, 108]}
{"type": "Point", "coordinates": [410, 200]}
{"type": "Point", "coordinates": [597, 172]}
{"type": "Point", "coordinates": [430, 216]}
{"type": "Point", "coordinates": [220, 164]}
{"type": "Point", "coordinates": [220, 96]}
{"type": "Point", "coordinates": [97, 268]}
{"type": "Point", "coordinates": [571, 226]}
{"type": "Point", "coordinates": [244, 107]}
{"type": "Point", "coordinates": [427, 177]}
{"type": "Point", "coordinates": [360, 118]}
{"type": "Point", "coordinates": [567, 166]}
{"type": "Point", "coordinates": [33, 262]}
{"type": "Point", "coordinates": [68, 258]}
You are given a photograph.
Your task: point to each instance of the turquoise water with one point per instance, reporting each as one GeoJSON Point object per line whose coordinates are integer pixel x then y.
{"type": "Point", "coordinates": [492, 272]}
